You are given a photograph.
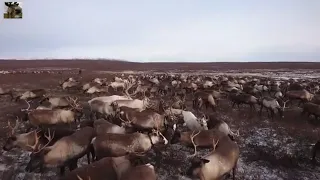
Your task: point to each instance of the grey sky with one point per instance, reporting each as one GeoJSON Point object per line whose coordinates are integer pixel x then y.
{"type": "Point", "coordinates": [167, 30]}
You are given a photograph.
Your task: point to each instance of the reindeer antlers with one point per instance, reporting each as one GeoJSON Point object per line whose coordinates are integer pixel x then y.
{"type": "Point", "coordinates": [215, 144]}
{"type": "Point", "coordinates": [73, 102]}
{"type": "Point", "coordinates": [49, 138]}
{"type": "Point", "coordinates": [192, 136]}
{"type": "Point", "coordinates": [89, 178]}
{"type": "Point", "coordinates": [129, 85]}
{"type": "Point", "coordinates": [13, 129]}
{"type": "Point", "coordinates": [28, 102]}
{"type": "Point", "coordinates": [36, 142]}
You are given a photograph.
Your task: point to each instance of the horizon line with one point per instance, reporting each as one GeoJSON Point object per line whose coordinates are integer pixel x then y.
{"type": "Point", "coordinates": [130, 61]}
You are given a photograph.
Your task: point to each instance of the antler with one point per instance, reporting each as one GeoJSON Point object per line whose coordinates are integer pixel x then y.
{"type": "Point", "coordinates": [192, 136]}
{"type": "Point", "coordinates": [28, 106]}
{"type": "Point", "coordinates": [36, 142]}
{"type": "Point", "coordinates": [284, 104]}
{"type": "Point", "coordinates": [13, 129]}
{"type": "Point", "coordinates": [129, 85]}
{"type": "Point", "coordinates": [73, 102]}
{"type": "Point", "coordinates": [214, 144]}
{"type": "Point", "coordinates": [89, 178]}
{"type": "Point", "coordinates": [49, 138]}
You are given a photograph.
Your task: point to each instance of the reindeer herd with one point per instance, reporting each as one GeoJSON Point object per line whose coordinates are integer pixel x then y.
{"type": "Point", "coordinates": [128, 117]}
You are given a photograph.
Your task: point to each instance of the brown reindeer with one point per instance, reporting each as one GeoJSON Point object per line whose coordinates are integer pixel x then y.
{"type": "Point", "coordinates": [32, 94]}
{"type": "Point", "coordinates": [311, 109]}
{"type": "Point", "coordinates": [205, 98]}
{"type": "Point", "coordinates": [32, 140]}
{"type": "Point", "coordinates": [57, 102]}
{"type": "Point", "coordinates": [40, 117]}
{"type": "Point", "coordinates": [141, 172]}
{"type": "Point", "coordinates": [243, 98]}
{"type": "Point", "coordinates": [196, 138]}
{"type": "Point", "coordinates": [102, 126]}
{"type": "Point", "coordinates": [115, 145]}
{"type": "Point", "coordinates": [301, 95]}
{"type": "Point", "coordinates": [272, 105]}
{"type": "Point", "coordinates": [66, 151]}
{"type": "Point", "coordinates": [218, 163]}
{"type": "Point", "coordinates": [109, 167]}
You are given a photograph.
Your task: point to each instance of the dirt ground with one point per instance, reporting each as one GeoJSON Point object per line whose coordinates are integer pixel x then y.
{"type": "Point", "coordinates": [270, 149]}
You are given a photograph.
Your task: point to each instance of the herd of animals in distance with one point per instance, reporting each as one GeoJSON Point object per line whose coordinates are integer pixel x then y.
{"type": "Point", "coordinates": [134, 114]}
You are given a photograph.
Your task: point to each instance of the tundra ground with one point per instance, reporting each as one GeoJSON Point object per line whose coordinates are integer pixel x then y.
{"type": "Point", "coordinates": [270, 149]}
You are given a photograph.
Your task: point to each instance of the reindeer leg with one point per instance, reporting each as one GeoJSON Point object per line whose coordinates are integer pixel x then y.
{"type": "Point", "coordinates": [88, 157]}
{"type": "Point", "coordinates": [62, 170]}
{"type": "Point", "coordinates": [272, 114]}
{"type": "Point", "coordinates": [233, 104]}
{"type": "Point", "coordinates": [234, 172]}
{"type": "Point", "coordinates": [260, 113]}
{"type": "Point", "coordinates": [73, 165]}
{"type": "Point", "coordinates": [93, 153]}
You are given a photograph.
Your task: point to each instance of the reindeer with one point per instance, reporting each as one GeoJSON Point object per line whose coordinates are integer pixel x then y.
{"type": "Point", "coordinates": [32, 94]}
{"type": "Point", "coordinates": [97, 89]}
{"type": "Point", "coordinates": [141, 172]}
{"type": "Point", "coordinates": [302, 95]}
{"type": "Point", "coordinates": [14, 10]}
{"type": "Point", "coordinates": [87, 86]}
{"type": "Point", "coordinates": [220, 125]}
{"type": "Point", "coordinates": [197, 138]}
{"type": "Point", "coordinates": [40, 117]}
{"type": "Point", "coordinates": [115, 145]}
{"type": "Point", "coordinates": [141, 89]}
{"type": "Point", "coordinates": [271, 105]}
{"type": "Point", "coordinates": [145, 120]}
{"type": "Point", "coordinates": [178, 103]}
{"type": "Point", "coordinates": [237, 98]}
{"type": "Point", "coordinates": [201, 98]}
{"type": "Point", "coordinates": [135, 103]}
{"type": "Point", "coordinates": [70, 84]}
{"type": "Point", "coordinates": [117, 85]}
{"type": "Point", "coordinates": [190, 120]}
{"type": "Point", "coordinates": [66, 151]}
{"type": "Point", "coordinates": [218, 163]}
{"type": "Point", "coordinates": [111, 167]}
{"type": "Point", "coordinates": [102, 104]}
{"type": "Point", "coordinates": [57, 102]}
{"type": "Point", "coordinates": [34, 139]}
{"type": "Point", "coordinates": [311, 109]}
{"type": "Point", "coordinates": [102, 126]}
{"type": "Point", "coordinates": [6, 91]}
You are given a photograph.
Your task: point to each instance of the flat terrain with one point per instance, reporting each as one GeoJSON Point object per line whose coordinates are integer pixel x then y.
{"type": "Point", "coordinates": [270, 149]}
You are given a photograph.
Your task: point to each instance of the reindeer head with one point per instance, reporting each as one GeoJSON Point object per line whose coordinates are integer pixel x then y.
{"type": "Point", "coordinates": [75, 107]}
{"type": "Point", "coordinates": [203, 121]}
{"type": "Point", "coordinates": [13, 10]}
{"type": "Point", "coordinates": [115, 106]}
{"type": "Point", "coordinates": [11, 141]}
{"type": "Point", "coordinates": [196, 164]}
{"type": "Point", "coordinates": [156, 137]}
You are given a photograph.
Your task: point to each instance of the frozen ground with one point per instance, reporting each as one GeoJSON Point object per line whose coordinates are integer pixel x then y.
{"type": "Point", "coordinates": [270, 149]}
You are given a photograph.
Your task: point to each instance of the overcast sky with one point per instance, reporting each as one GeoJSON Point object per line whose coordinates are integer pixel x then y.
{"type": "Point", "coordinates": [165, 30]}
